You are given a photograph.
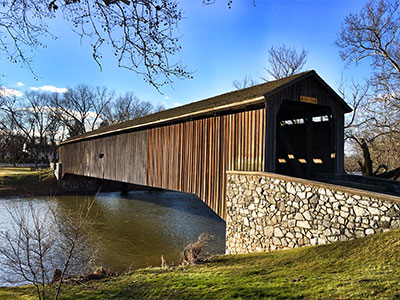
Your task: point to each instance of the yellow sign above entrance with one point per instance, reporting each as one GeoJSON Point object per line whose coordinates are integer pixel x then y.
{"type": "Point", "coordinates": [308, 99]}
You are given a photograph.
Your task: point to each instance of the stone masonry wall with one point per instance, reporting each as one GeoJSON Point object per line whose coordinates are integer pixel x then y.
{"type": "Point", "coordinates": [268, 211]}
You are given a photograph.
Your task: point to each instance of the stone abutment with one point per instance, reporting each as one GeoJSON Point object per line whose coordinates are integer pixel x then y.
{"type": "Point", "coordinates": [267, 211]}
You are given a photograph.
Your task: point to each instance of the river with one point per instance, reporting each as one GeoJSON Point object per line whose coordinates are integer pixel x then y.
{"type": "Point", "coordinates": [136, 229]}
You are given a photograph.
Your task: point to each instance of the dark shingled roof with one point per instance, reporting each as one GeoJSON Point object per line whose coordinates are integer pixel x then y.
{"type": "Point", "coordinates": [239, 98]}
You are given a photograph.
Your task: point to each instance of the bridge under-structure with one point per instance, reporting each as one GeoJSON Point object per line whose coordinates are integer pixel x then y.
{"type": "Point", "coordinates": [291, 126]}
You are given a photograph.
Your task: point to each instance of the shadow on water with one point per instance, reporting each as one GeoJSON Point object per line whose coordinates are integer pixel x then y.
{"type": "Point", "coordinates": [186, 202]}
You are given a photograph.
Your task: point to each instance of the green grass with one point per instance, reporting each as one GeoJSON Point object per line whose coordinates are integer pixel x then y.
{"type": "Point", "coordinates": [16, 181]}
{"type": "Point", "coordinates": [367, 268]}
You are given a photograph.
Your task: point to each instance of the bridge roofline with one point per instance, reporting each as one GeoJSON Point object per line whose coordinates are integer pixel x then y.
{"type": "Point", "coordinates": [239, 99]}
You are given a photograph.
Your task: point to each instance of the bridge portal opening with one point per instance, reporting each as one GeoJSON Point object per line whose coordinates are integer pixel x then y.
{"type": "Point", "coordinates": [305, 142]}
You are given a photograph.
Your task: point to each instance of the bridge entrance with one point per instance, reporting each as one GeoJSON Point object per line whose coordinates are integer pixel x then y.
{"type": "Point", "coordinates": [304, 139]}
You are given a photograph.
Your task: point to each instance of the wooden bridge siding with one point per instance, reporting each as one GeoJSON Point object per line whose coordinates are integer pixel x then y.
{"type": "Point", "coordinates": [123, 160]}
{"type": "Point", "coordinates": [192, 156]}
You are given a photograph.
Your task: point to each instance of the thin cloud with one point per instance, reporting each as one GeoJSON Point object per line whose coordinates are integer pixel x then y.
{"type": "Point", "coordinates": [49, 88]}
{"type": "Point", "coordinates": [19, 83]}
{"type": "Point", "coordinates": [5, 92]}
{"type": "Point", "coordinates": [176, 104]}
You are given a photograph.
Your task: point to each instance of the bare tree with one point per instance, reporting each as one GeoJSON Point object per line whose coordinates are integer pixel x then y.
{"type": "Point", "coordinates": [28, 247]}
{"type": "Point", "coordinates": [44, 240]}
{"type": "Point", "coordinates": [371, 134]}
{"type": "Point", "coordinates": [285, 61]}
{"type": "Point", "coordinates": [11, 140]}
{"type": "Point", "coordinates": [247, 81]}
{"type": "Point", "coordinates": [142, 34]}
{"type": "Point", "coordinates": [31, 118]}
{"type": "Point", "coordinates": [127, 107]}
{"type": "Point", "coordinates": [11, 146]}
{"type": "Point", "coordinates": [374, 34]}
{"type": "Point", "coordinates": [81, 108]}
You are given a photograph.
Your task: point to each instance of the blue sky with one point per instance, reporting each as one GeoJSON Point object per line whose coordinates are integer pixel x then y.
{"type": "Point", "coordinates": [219, 44]}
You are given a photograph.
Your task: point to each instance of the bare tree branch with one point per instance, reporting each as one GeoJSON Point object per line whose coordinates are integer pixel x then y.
{"type": "Point", "coordinates": [285, 61]}
{"type": "Point", "coordinates": [247, 81]}
{"type": "Point", "coordinates": [141, 33]}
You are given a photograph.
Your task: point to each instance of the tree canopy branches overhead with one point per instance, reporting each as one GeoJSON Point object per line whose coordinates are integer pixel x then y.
{"type": "Point", "coordinates": [141, 33]}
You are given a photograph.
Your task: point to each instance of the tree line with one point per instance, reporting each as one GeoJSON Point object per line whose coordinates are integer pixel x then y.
{"type": "Point", "coordinates": [40, 120]}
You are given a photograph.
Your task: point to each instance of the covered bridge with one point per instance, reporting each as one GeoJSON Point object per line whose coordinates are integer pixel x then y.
{"type": "Point", "coordinates": [292, 126]}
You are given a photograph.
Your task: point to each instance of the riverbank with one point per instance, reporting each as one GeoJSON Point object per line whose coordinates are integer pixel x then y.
{"type": "Point", "coordinates": [22, 181]}
{"type": "Point", "coordinates": [367, 268]}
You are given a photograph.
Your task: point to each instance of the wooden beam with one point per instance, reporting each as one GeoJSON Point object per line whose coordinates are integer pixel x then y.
{"type": "Point", "coordinates": [272, 107]}
{"type": "Point", "coordinates": [332, 142]}
{"type": "Point", "coordinates": [339, 142]}
{"type": "Point", "coordinates": [289, 150]}
{"type": "Point", "coordinates": [309, 156]}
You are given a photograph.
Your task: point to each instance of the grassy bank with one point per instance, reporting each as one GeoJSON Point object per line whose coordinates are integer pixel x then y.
{"type": "Point", "coordinates": [16, 181]}
{"type": "Point", "coordinates": [367, 268]}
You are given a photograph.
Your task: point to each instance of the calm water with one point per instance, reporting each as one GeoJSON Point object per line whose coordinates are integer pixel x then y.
{"type": "Point", "coordinates": [137, 228]}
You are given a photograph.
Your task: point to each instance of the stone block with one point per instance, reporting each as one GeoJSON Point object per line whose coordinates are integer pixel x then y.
{"type": "Point", "coordinates": [298, 217]}
{"type": "Point", "coordinates": [268, 231]}
{"type": "Point", "coordinates": [278, 232]}
{"type": "Point", "coordinates": [303, 224]}
{"type": "Point", "coordinates": [307, 216]}
{"type": "Point", "coordinates": [276, 241]}
{"type": "Point", "coordinates": [344, 214]}
{"type": "Point", "coordinates": [302, 195]}
{"type": "Point", "coordinates": [314, 241]}
{"type": "Point", "coordinates": [369, 231]}
{"type": "Point", "coordinates": [290, 235]}
{"type": "Point", "coordinates": [359, 211]}
{"type": "Point", "coordinates": [327, 232]}
{"type": "Point", "coordinates": [374, 211]}
{"type": "Point", "coordinates": [291, 223]}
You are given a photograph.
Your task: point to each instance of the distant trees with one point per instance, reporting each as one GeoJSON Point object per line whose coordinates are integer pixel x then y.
{"type": "Point", "coordinates": [127, 107]}
{"type": "Point", "coordinates": [374, 35]}
{"type": "Point", "coordinates": [283, 61]}
{"type": "Point", "coordinates": [246, 82]}
{"type": "Point", "coordinates": [40, 119]}
{"type": "Point", "coordinates": [29, 120]}
{"type": "Point", "coordinates": [81, 108]}
{"type": "Point", "coordinates": [11, 147]}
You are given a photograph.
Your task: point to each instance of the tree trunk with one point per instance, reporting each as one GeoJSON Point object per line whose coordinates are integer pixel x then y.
{"type": "Point", "coordinates": [366, 167]}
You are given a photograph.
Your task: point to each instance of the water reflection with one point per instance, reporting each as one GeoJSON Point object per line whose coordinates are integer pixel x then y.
{"type": "Point", "coordinates": [137, 228]}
